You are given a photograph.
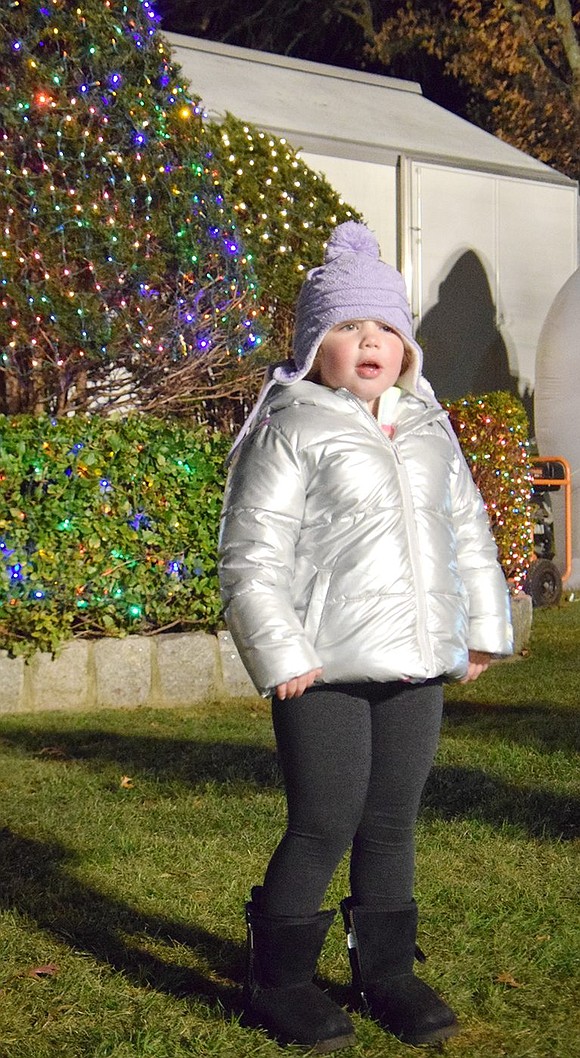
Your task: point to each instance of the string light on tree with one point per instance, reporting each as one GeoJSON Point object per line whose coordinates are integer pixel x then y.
{"type": "Point", "coordinates": [285, 212]}
{"type": "Point", "coordinates": [122, 249]}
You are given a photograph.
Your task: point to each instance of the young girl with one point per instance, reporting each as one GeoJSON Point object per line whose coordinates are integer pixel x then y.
{"type": "Point", "coordinates": [358, 574]}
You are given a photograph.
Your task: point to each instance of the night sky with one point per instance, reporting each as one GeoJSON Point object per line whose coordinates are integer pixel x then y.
{"type": "Point", "coordinates": [303, 30]}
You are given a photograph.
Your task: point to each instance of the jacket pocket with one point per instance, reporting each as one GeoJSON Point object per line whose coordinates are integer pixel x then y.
{"type": "Point", "coordinates": [316, 603]}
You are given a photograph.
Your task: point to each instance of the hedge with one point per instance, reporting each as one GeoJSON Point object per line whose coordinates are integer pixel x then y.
{"type": "Point", "coordinates": [106, 527]}
{"type": "Point", "coordinates": [110, 526]}
{"type": "Point", "coordinates": [493, 433]}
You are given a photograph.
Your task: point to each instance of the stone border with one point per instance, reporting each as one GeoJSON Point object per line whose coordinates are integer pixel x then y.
{"type": "Point", "coordinates": [167, 670]}
{"type": "Point", "coordinates": [137, 671]}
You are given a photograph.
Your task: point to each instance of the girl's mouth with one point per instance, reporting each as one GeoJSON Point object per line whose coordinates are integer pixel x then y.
{"type": "Point", "coordinates": [368, 369]}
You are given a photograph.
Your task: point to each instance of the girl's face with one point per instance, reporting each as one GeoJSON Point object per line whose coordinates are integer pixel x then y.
{"type": "Point", "coordinates": [363, 356]}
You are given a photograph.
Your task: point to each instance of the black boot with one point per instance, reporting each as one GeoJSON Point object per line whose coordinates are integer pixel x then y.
{"type": "Point", "coordinates": [279, 993]}
{"type": "Point", "coordinates": [381, 947]}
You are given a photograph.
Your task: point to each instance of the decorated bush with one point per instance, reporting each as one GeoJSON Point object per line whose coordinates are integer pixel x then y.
{"type": "Point", "coordinates": [493, 434]}
{"type": "Point", "coordinates": [106, 527]}
{"type": "Point", "coordinates": [285, 214]}
{"type": "Point", "coordinates": [124, 282]}
{"type": "Point", "coordinates": [110, 526]}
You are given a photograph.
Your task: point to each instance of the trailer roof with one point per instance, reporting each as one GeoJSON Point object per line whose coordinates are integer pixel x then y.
{"type": "Point", "coordinates": [345, 113]}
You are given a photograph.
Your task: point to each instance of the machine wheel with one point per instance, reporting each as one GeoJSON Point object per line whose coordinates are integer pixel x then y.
{"type": "Point", "coordinates": [544, 583]}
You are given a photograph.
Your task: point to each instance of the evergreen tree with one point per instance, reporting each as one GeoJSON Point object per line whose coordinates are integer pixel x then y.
{"type": "Point", "coordinates": [123, 281]}
{"type": "Point", "coordinates": [285, 213]}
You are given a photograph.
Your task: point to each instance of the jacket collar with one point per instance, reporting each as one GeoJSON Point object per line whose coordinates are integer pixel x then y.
{"type": "Point", "coordinates": [343, 401]}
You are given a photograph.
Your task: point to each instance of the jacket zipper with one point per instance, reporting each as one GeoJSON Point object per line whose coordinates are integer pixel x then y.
{"type": "Point", "coordinates": [412, 538]}
{"type": "Point", "coordinates": [413, 545]}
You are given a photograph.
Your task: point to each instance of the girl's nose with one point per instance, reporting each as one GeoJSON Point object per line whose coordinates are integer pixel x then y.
{"type": "Point", "coordinates": [370, 333]}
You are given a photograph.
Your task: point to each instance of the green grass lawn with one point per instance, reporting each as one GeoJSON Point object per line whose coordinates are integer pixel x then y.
{"type": "Point", "coordinates": [129, 841]}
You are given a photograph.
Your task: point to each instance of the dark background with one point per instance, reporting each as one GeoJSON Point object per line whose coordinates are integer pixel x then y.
{"type": "Point", "coordinates": [307, 29]}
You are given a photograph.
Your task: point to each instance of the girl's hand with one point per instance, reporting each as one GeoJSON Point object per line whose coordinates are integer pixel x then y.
{"type": "Point", "coordinates": [478, 663]}
{"type": "Point", "coordinates": [296, 687]}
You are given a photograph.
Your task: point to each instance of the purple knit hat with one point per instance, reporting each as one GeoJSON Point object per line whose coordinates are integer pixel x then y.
{"type": "Point", "coordinates": [352, 284]}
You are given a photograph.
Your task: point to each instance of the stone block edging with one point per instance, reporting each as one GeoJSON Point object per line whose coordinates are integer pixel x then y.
{"type": "Point", "coordinates": [170, 669]}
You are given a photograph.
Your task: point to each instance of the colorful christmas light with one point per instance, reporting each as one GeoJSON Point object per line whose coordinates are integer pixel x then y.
{"type": "Point", "coordinates": [116, 248]}
{"type": "Point", "coordinates": [493, 433]}
{"type": "Point", "coordinates": [86, 528]}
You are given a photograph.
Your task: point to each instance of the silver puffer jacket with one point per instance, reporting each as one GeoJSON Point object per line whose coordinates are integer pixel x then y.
{"type": "Point", "coordinates": [342, 549]}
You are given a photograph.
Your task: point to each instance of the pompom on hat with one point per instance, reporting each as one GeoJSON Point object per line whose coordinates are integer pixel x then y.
{"type": "Point", "coordinates": [352, 284]}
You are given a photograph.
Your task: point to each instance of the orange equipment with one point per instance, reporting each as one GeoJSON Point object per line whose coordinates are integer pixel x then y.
{"type": "Point", "coordinates": [544, 579]}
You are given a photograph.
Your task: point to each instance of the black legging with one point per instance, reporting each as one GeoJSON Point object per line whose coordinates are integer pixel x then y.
{"type": "Point", "coordinates": [355, 759]}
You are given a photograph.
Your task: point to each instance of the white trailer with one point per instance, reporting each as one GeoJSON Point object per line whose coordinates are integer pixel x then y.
{"type": "Point", "coordinates": [485, 235]}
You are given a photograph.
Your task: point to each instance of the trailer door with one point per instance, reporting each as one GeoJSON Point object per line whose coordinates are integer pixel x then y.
{"type": "Point", "coordinates": [484, 256]}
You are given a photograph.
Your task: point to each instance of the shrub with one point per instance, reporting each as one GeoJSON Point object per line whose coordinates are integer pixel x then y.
{"type": "Point", "coordinates": [493, 434]}
{"type": "Point", "coordinates": [106, 527]}
{"type": "Point", "coordinates": [110, 526]}
{"type": "Point", "coordinates": [124, 282]}
{"type": "Point", "coordinates": [286, 212]}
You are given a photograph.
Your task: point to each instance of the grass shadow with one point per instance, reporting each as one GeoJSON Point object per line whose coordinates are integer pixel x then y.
{"type": "Point", "coordinates": [538, 725]}
{"type": "Point", "coordinates": [35, 880]}
{"type": "Point", "coordinates": [190, 761]}
{"type": "Point", "coordinates": [451, 791]}
{"type": "Point", "coordinates": [471, 793]}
